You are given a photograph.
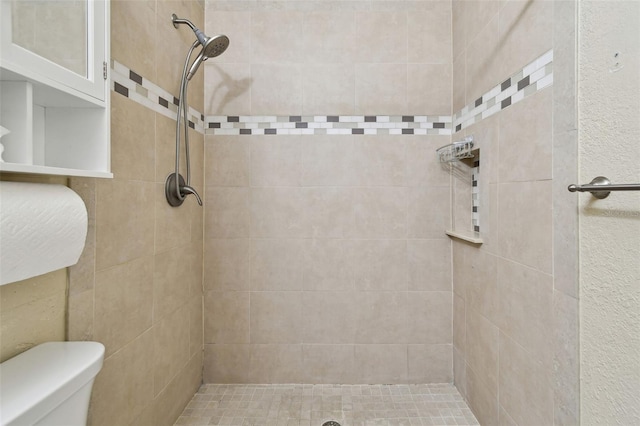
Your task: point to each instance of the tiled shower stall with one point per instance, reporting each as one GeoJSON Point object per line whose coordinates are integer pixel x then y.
{"type": "Point", "coordinates": [320, 256]}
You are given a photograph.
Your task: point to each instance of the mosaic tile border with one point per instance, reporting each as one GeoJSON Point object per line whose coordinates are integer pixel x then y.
{"type": "Point", "coordinates": [475, 196]}
{"type": "Point", "coordinates": [132, 85]}
{"type": "Point", "coordinates": [532, 78]}
{"type": "Point", "coordinates": [529, 80]}
{"type": "Point", "coordinates": [329, 125]}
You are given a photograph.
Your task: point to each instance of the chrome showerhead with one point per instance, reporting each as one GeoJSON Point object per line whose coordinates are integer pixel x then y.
{"type": "Point", "coordinates": [211, 48]}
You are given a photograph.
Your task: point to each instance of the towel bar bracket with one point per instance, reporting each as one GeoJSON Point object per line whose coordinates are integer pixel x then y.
{"type": "Point", "coordinates": [600, 187]}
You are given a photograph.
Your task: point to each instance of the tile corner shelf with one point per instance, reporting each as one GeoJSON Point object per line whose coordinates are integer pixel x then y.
{"type": "Point", "coordinates": [464, 237]}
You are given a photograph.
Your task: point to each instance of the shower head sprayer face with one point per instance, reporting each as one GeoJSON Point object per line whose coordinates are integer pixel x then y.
{"type": "Point", "coordinates": [212, 47]}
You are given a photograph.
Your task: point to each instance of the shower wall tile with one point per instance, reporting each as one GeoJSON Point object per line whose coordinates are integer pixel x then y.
{"type": "Point", "coordinates": [165, 147]}
{"type": "Point", "coordinates": [427, 263]}
{"type": "Point", "coordinates": [275, 36]}
{"type": "Point", "coordinates": [421, 205]}
{"type": "Point", "coordinates": [278, 213]}
{"type": "Point", "coordinates": [429, 363]}
{"type": "Point", "coordinates": [228, 266]}
{"type": "Point", "coordinates": [422, 94]}
{"type": "Point", "coordinates": [328, 265]}
{"type": "Point", "coordinates": [227, 161]}
{"type": "Point", "coordinates": [230, 85]}
{"type": "Point", "coordinates": [132, 153]}
{"type": "Point", "coordinates": [176, 274]}
{"type": "Point", "coordinates": [328, 364]}
{"type": "Point", "coordinates": [381, 318]}
{"type": "Point", "coordinates": [227, 319]}
{"type": "Point", "coordinates": [227, 363]}
{"type": "Point", "coordinates": [277, 264]}
{"type": "Point", "coordinates": [379, 161]}
{"type": "Point", "coordinates": [329, 161]}
{"type": "Point", "coordinates": [329, 317]}
{"type": "Point", "coordinates": [123, 308]}
{"type": "Point", "coordinates": [276, 317]}
{"type": "Point", "coordinates": [234, 25]}
{"type": "Point", "coordinates": [375, 97]}
{"type": "Point", "coordinates": [380, 265]}
{"type": "Point", "coordinates": [482, 349]}
{"type": "Point", "coordinates": [380, 212]}
{"type": "Point", "coordinates": [329, 36]}
{"type": "Point", "coordinates": [170, 228]}
{"type": "Point", "coordinates": [276, 88]}
{"type": "Point", "coordinates": [429, 317]}
{"type": "Point", "coordinates": [381, 363]}
{"type": "Point", "coordinates": [422, 165]}
{"type": "Point", "coordinates": [229, 215]}
{"type": "Point", "coordinates": [275, 162]}
{"type": "Point", "coordinates": [482, 402]}
{"type": "Point", "coordinates": [429, 34]}
{"type": "Point", "coordinates": [381, 37]}
{"type": "Point", "coordinates": [274, 363]}
{"type": "Point", "coordinates": [329, 212]}
{"type": "Point", "coordinates": [328, 88]}
{"type": "Point", "coordinates": [171, 347]}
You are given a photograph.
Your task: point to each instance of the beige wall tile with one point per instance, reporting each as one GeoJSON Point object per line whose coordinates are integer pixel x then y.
{"type": "Point", "coordinates": [329, 317]}
{"type": "Point", "coordinates": [429, 89]}
{"type": "Point", "coordinates": [380, 265]}
{"type": "Point", "coordinates": [328, 265]}
{"type": "Point", "coordinates": [227, 213]}
{"type": "Point", "coordinates": [421, 205]}
{"type": "Point", "coordinates": [482, 349]}
{"type": "Point", "coordinates": [328, 364]}
{"type": "Point", "coordinates": [227, 161]}
{"type": "Point", "coordinates": [275, 364]}
{"type": "Point", "coordinates": [226, 363]}
{"type": "Point", "coordinates": [228, 265]}
{"type": "Point", "coordinates": [459, 324]}
{"type": "Point", "coordinates": [132, 139]}
{"type": "Point", "coordinates": [328, 211]}
{"type": "Point", "coordinates": [276, 162]}
{"type": "Point", "coordinates": [381, 317]}
{"type": "Point", "coordinates": [276, 317]}
{"type": "Point", "coordinates": [329, 36]}
{"type": "Point", "coordinates": [381, 36]}
{"type": "Point", "coordinates": [276, 264]}
{"type": "Point", "coordinates": [328, 161]}
{"type": "Point", "coordinates": [429, 315]}
{"type": "Point", "coordinates": [176, 272]}
{"type": "Point", "coordinates": [477, 16]}
{"type": "Point", "coordinates": [226, 317]}
{"type": "Point", "coordinates": [381, 363]}
{"type": "Point", "coordinates": [566, 364]}
{"type": "Point", "coordinates": [482, 401]}
{"type": "Point", "coordinates": [482, 283]}
{"type": "Point", "coordinates": [430, 363]}
{"type": "Point", "coordinates": [380, 213]}
{"type": "Point", "coordinates": [328, 89]}
{"type": "Point", "coordinates": [430, 34]}
{"type": "Point", "coordinates": [524, 214]}
{"type": "Point", "coordinates": [79, 316]}
{"type": "Point", "coordinates": [380, 161]}
{"type": "Point", "coordinates": [459, 372]}
{"type": "Point", "coordinates": [32, 311]}
{"type": "Point", "coordinates": [133, 31]}
{"type": "Point", "coordinates": [171, 347]}
{"type": "Point", "coordinates": [165, 154]}
{"type": "Point", "coordinates": [525, 139]}
{"type": "Point", "coordinates": [233, 24]}
{"type": "Point", "coordinates": [525, 389]}
{"type": "Point", "coordinates": [82, 274]}
{"type": "Point", "coordinates": [276, 36]}
{"type": "Point", "coordinates": [526, 309]}
{"type": "Point", "coordinates": [483, 61]}
{"type": "Point", "coordinates": [276, 89]}
{"type": "Point", "coordinates": [172, 224]}
{"type": "Point", "coordinates": [278, 212]}
{"type": "Point", "coordinates": [229, 88]}
{"type": "Point", "coordinates": [124, 386]}
{"type": "Point", "coordinates": [526, 32]}
{"type": "Point", "coordinates": [423, 167]}
{"type": "Point", "coordinates": [381, 88]}
{"type": "Point", "coordinates": [196, 327]}
{"type": "Point", "coordinates": [459, 89]}
{"type": "Point", "coordinates": [458, 27]}
{"type": "Point", "coordinates": [123, 303]}
{"type": "Point", "coordinates": [124, 221]}
{"type": "Point", "coordinates": [429, 265]}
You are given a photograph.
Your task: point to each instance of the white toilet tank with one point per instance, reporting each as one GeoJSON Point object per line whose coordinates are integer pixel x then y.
{"type": "Point", "coordinates": [49, 384]}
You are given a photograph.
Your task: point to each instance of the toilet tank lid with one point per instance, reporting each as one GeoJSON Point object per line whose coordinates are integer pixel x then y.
{"type": "Point", "coordinates": [45, 376]}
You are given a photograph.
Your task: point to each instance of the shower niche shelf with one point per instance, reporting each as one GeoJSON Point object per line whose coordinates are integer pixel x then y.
{"type": "Point", "coordinates": [57, 114]}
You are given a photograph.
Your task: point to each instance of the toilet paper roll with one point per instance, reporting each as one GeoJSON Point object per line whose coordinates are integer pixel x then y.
{"type": "Point", "coordinates": [42, 228]}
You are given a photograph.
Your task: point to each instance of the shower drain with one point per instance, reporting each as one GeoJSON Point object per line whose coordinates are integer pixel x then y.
{"type": "Point", "coordinates": [331, 423]}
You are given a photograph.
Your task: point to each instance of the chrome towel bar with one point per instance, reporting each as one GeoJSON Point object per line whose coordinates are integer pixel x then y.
{"type": "Point", "coordinates": [600, 187]}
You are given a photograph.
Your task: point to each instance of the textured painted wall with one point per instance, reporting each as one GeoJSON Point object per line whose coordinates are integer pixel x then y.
{"type": "Point", "coordinates": [610, 229]}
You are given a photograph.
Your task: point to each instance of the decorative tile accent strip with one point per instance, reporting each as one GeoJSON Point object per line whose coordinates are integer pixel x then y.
{"type": "Point", "coordinates": [137, 88]}
{"type": "Point", "coordinates": [328, 125]}
{"type": "Point", "coordinates": [532, 78]}
{"type": "Point", "coordinates": [475, 195]}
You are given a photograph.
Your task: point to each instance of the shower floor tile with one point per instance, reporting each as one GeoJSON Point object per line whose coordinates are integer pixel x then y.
{"type": "Point", "coordinates": [313, 405]}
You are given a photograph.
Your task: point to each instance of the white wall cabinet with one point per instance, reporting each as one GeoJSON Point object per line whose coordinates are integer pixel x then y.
{"type": "Point", "coordinates": [54, 90]}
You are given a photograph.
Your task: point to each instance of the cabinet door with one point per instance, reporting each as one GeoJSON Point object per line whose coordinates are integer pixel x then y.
{"type": "Point", "coordinates": [60, 43]}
